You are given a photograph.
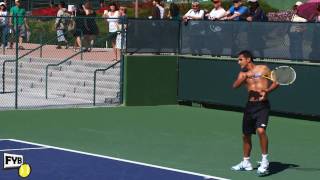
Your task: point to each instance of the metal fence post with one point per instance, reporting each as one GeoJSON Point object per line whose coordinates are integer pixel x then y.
{"type": "Point", "coordinates": [123, 38]}
{"type": "Point", "coordinates": [17, 58]}
{"type": "Point", "coordinates": [41, 44]}
{"type": "Point", "coordinates": [94, 87]}
{"type": "Point", "coordinates": [81, 42]}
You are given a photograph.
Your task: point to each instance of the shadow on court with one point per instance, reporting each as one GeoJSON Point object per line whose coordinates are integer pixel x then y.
{"type": "Point", "coordinates": [277, 167]}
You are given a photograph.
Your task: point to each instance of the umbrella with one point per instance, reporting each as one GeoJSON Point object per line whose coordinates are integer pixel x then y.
{"type": "Point", "coordinates": [308, 10]}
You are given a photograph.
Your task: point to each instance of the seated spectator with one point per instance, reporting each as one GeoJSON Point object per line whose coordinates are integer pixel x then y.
{"type": "Point", "coordinates": [255, 12]}
{"type": "Point", "coordinates": [237, 12]}
{"type": "Point", "coordinates": [217, 12]}
{"type": "Point", "coordinates": [194, 13]}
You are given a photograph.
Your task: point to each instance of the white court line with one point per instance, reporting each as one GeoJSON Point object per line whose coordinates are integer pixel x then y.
{"type": "Point", "coordinates": [23, 149]}
{"type": "Point", "coordinates": [122, 160]}
{"type": "Point", "coordinates": [4, 139]}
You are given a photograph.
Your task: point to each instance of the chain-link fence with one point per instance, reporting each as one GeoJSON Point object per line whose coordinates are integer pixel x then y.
{"type": "Point", "coordinates": [57, 61]}
{"type": "Point", "coordinates": [272, 40]}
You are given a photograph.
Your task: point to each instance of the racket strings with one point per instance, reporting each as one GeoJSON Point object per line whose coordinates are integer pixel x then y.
{"type": "Point", "coordinates": [284, 75]}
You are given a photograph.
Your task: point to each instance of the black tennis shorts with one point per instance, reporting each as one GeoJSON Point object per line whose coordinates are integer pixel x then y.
{"type": "Point", "coordinates": [256, 115]}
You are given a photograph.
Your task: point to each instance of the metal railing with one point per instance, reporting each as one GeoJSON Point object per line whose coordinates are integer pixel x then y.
{"type": "Point", "coordinates": [58, 64]}
{"type": "Point", "coordinates": [95, 79]}
{"type": "Point", "coordinates": [20, 57]}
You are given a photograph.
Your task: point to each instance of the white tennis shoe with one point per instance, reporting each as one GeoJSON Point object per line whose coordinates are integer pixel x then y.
{"type": "Point", "coordinates": [242, 166]}
{"type": "Point", "coordinates": [263, 169]}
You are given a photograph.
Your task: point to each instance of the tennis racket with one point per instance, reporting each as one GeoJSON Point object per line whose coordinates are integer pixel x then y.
{"type": "Point", "coordinates": [283, 75]}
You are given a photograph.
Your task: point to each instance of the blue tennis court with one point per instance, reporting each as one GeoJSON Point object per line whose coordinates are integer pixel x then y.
{"type": "Point", "coordinates": [53, 163]}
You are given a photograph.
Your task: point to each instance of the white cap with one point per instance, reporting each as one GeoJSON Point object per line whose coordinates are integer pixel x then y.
{"type": "Point", "coordinates": [2, 3]}
{"type": "Point", "coordinates": [299, 3]}
{"type": "Point", "coordinates": [252, 0]}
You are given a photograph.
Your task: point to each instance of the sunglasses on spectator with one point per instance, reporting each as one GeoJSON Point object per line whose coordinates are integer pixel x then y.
{"type": "Point", "coordinates": [216, 2]}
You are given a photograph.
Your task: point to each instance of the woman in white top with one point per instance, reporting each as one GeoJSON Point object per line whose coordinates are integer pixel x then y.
{"type": "Point", "coordinates": [112, 19]}
{"type": "Point", "coordinates": [4, 24]}
{"type": "Point", "coordinates": [121, 38]}
{"type": "Point", "coordinates": [217, 12]}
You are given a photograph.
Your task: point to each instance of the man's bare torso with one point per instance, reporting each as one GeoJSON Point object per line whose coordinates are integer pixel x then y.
{"type": "Point", "coordinates": [258, 85]}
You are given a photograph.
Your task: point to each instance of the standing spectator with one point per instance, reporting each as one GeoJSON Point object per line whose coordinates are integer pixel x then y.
{"type": "Point", "coordinates": [217, 12]}
{"type": "Point", "coordinates": [4, 23]}
{"type": "Point", "coordinates": [120, 41]}
{"type": "Point", "coordinates": [157, 10]}
{"type": "Point", "coordinates": [18, 23]}
{"type": "Point", "coordinates": [62, 25]}
{"type": "Point", "coordinates": [90, 30]}
{"type": "Point", "coordinates": [236, 12]}
{"type": "Point", "coordinates": [112, 19]}
{"type": "Point", "coordinates": [194, 13]}
{"type": "Point", "coordinates": [79, 27]}
{"type": "Point", "coordinates": [174, 12]}
{"type": "Point", "coordinates": [256, 32]}
{"type": "Point", "coordinates": [296, 34]}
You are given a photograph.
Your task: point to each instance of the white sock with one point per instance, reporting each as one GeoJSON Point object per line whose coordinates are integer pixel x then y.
{"type": "Point", "coordinates": [264, 157]}
{"type": "Point", "coordinates": [246, 159]}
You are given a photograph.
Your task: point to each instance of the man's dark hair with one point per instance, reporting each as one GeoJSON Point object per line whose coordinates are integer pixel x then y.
{"type": "Point", "coordinates": [62, 4]}
{"type": "Point", "coordinates": [246, 54]}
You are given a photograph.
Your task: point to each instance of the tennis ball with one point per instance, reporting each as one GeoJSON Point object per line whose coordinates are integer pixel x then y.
{"type": "Point", "coordinates": [24, 170]}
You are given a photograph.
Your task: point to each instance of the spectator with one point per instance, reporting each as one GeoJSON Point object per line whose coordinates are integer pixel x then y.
{"type": "Point", "coordinates": [194, 13]}
{"type": "Point", "coordinates": [217, 12]}
{"type": "Point", "coordinates": [120, 41]}
{"type": "Point", "coordinates": [236, 12]}
{"type": "Point", "coordinates": [174, 11]}
{"type": "Point", "coordinates": [79, 27]}
{"type": "Point", "coordinates": [157, 10]}
{"type": "Point", "coordinates": [62, 25]}
{"type": "Point", "coordinates": [214, 32]}
{"type": "Point", "coordinates": [4, 24]}
{"type": "Point", "coordinates": [255, 12]}
{"type": "Point", "coordinates": [315, 45]}
{"type": "Point", "coordinates": [103, 7]}
{"type": "Point", "coordinates": [317, 16]}
{"type": "Point", "coordinates": [112, 19]}
{"type": "Point", "coordinates": [296, 34]}
{"type": "Point", "coordinates": [256, 32]}
{"type": "Point", "coordinates": [90, 30]}
{"type": "Point", "coordinates": [18, 23]}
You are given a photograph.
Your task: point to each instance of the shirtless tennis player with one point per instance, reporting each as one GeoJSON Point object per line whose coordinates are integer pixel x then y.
{"type": "Point", "coordinates": [256, 114]}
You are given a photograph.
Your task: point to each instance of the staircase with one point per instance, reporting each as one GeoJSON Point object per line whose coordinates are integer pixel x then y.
{"type": "Point", "coordinates": [69, 84]}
